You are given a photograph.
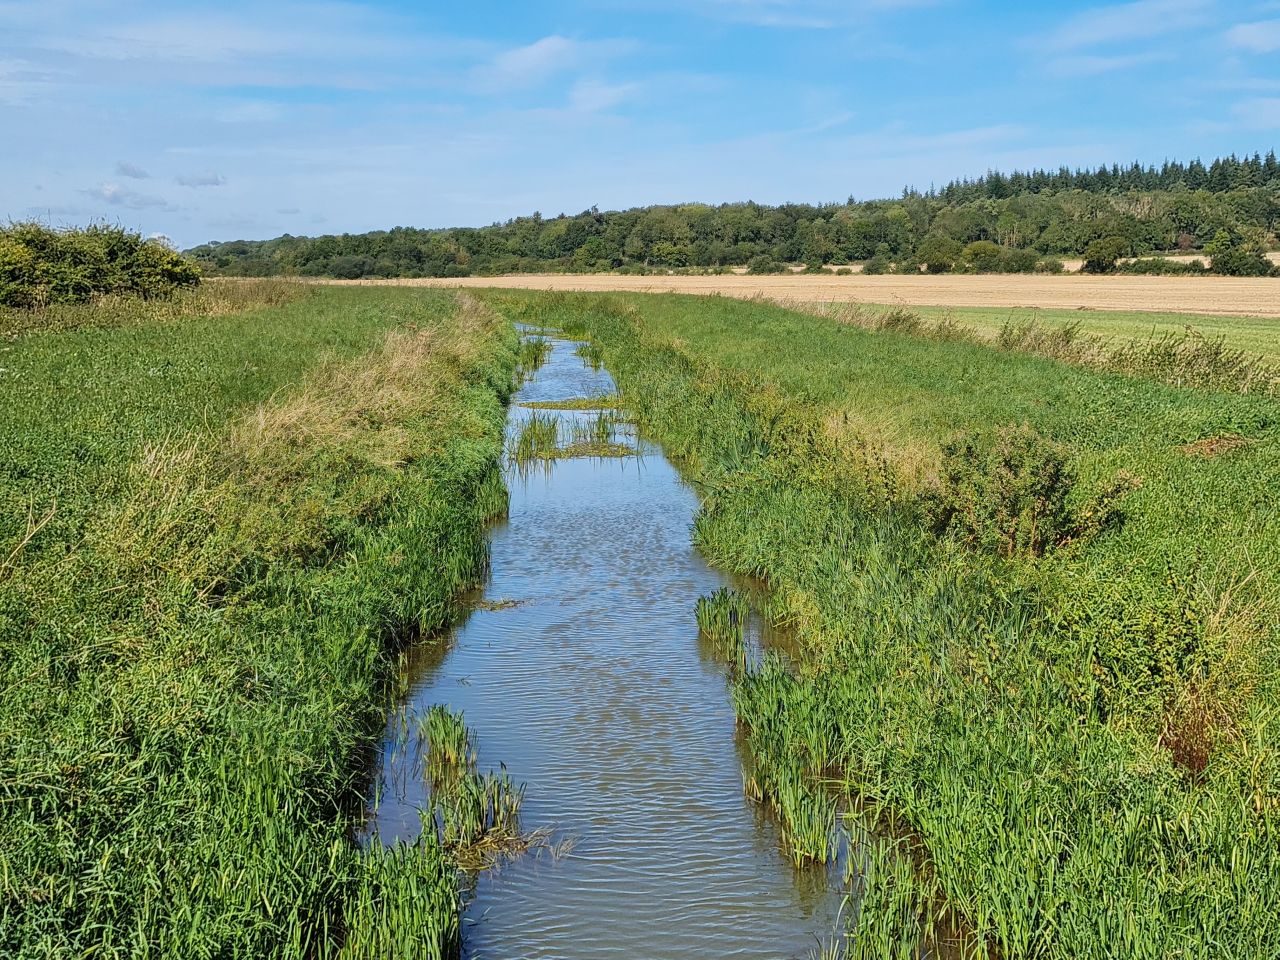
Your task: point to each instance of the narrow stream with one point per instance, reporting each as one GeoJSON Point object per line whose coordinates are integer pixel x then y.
{"type": "Point", "coordinates": [581, 670]}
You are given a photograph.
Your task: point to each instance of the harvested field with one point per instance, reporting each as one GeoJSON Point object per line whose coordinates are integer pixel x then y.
{"type": "Point", "coordinates": [1211, 296]}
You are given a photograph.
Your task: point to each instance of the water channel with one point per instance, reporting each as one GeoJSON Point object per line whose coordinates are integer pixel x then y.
{"type": "Point", "coordinates": [580, 669]}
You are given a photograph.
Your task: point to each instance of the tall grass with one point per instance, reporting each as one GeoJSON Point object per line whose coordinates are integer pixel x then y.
{"type": "Point", "coordinates": [250, 514]}
{"type": "Point", "coordinates": [1017, 710]}
{"type": "Point", "coordinates": [1185, 359]}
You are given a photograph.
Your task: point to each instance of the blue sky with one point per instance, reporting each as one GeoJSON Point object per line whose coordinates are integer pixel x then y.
{"type": "Point", "coordinates": [251, 119]}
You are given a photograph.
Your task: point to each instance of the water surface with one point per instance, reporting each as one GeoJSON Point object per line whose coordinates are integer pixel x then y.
{"type": "Point", "coordinates": [593, 690]}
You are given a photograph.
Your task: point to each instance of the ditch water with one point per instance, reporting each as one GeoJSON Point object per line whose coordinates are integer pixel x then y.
{"type": "Point", "coordinates": [580, 669]}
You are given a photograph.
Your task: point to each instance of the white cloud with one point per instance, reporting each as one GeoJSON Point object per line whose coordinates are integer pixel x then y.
{"type": "Point", "coordinates": [251, 111]}
{"type": "Point", "coordinates": [1260, 37]}
{"type": "Point", "coordinates": [1092, 65]}
{"type": "Point", "coordinates": [1142, 20]}
{"type": "Point", "coordinates": [119, 196]}
{"type": "Point", "coordinates": [802, 14]}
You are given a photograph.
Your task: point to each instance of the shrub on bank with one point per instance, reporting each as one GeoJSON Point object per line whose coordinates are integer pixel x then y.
{"type": "Point", "coordinates": [41, 266]}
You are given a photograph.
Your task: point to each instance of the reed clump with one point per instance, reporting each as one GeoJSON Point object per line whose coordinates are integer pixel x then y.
{"type": "Point", "coordinates": [474, 816]}
{"type": "Point", "coordinates": [722, 618]}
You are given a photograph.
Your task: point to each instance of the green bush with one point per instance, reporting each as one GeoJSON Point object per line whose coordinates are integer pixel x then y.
{"type": "Point", "coordinates": [1162, 267]}
{"type": "Point", "coordinates": [983, 256]}
{"type": "Point", "coordinates": [1101, 256]}
{"type": "Point", "coordinates": [1005, 491]}
{"type": "Point", "coordinates": [40, 266]}
{"type": "Point", "coordinates": [939, 254]}
{"type": "Point", "coordinates": [1242, 262]}
{"type": "Point", "coordinates": [764, 265]}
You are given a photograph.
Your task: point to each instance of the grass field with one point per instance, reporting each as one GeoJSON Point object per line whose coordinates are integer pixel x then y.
{"type": "Point", "coordinates": [1037, 603]}
{"type": "Point", "coordinates": [215, 534]}
{"type": "Point", "coordinates": [1049, 648]}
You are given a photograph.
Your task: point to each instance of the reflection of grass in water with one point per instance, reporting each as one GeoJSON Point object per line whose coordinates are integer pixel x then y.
{"type": "Point", "coordinates": [592, 355]}
{"type": "Point", "coordinates": [607, 401]}
{"type": "Point", "coordinates": [539, 439]}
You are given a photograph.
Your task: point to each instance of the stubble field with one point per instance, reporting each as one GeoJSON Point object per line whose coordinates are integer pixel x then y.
{"type": "Point", "coordinates": [1208, 296]}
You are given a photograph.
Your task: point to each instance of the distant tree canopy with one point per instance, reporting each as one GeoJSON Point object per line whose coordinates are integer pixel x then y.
{"type": "Point", "coordinates": [1029, 217]}
{"type": "Point", "coordinates": [40, 266]}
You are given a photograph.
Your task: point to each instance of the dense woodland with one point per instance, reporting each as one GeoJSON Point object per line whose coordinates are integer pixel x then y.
{"type": "Point", "coordinates": [1019, 222]}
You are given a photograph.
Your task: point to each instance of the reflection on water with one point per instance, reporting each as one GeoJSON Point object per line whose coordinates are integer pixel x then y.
{"type": "Point", "coordinates": [593, 689]}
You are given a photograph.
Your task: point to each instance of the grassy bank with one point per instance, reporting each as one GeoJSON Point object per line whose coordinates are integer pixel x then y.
{"type": "Point", "coordinates": [1037, 605]}
{"type": "Point", "coordinates": [216, 533]}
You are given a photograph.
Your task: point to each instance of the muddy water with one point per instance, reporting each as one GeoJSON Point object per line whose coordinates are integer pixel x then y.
{"type": "Point", "coordinates": [591, 687]}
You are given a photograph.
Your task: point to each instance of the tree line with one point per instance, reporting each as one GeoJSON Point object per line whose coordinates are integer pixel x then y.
{"type": "Point", "coordinates": [1019, 222]}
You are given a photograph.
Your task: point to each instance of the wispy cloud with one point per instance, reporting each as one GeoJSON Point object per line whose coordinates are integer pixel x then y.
{"type": "Point", "coordinates": [1260, 113]}
{"type": "Point", "coordinates": [118, 196]}
{"type": "Point", "coordinates": [802, 14]}
{"type": "Point", "coordinates": [1092, 65]}
{"type": "Point", "coordinates": [1127, 22]}
{"type": "Point", "coordinates": [537, 62]}
{"type": "Point", "coordinates": [126, 169]}
{"type": "Point", "coordinates": [592, 96]}
{"type": "Point", "coordinates": [1260, 37]}
{"type": "Point", "coordinates": [209, 179]}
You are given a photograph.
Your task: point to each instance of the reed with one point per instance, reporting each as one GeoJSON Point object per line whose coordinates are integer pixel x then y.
{"type": "Point", "coordinates": [722, 618]}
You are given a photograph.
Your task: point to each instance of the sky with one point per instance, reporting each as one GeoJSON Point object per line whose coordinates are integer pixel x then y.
{"type": "Point", "coordinates": [246, 120]}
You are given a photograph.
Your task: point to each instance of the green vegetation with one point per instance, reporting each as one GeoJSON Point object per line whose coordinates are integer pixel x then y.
{"type": "Point", "coordinates": [1179, 356]}
{"type": "Point", "coordinates": [41, 266]}
{"type": "Point", "coordinates": [722, 619]}
{"type": "Point", "coordinates": [603, 402]}
{"type": "Point", "coordinates": [216, 536]}
{"type": "Point", "coordinates": [1020, 222]}
{"type": "Point", "coordinates": [1037, 606]}
{"type": "Point", "coordinates": [540, 436]}
{"type": "Point", "coordinates": [1254, 336]}
{"type": "Point", "coordinates": [474, 816]}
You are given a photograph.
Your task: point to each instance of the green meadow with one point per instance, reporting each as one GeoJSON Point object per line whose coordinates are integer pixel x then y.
{"type": "Point", "coordinates": [1035, 608]}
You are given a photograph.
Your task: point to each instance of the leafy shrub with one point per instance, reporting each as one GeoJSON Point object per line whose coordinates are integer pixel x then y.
{"type": "Point", "coordinates": [983, 256]}
{"type": "Point", "coordinates": [1101, 256]}
{"type": "Point", "coordinates": [40, 266]}
{"type": "Point", "coordinates": [939, 254]}
{"type": "Point", "coordinates": [1005, 491]}
{"type": "Point", "coordinates": [1242, 262]}
{"type": "Point", "coordinates": [1049, 265]}
{"type": "Point", "coordinates": [762, 264]}
{"type": "Point", "coordinates": [1162, 267]}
